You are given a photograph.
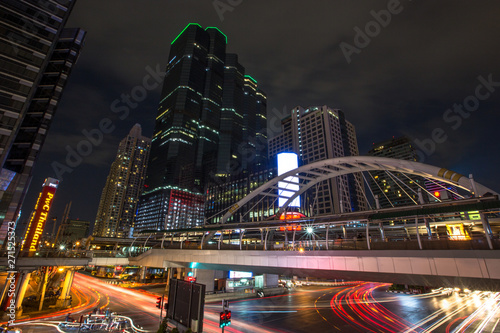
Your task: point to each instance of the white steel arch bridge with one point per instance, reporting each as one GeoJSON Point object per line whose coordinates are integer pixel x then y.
{"type": "Point", "coordinates": [307, 176]}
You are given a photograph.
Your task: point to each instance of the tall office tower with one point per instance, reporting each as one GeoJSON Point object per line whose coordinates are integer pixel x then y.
{"type": "Point", "coordinates": [36, 60]}
{"type": "Point", "coordinates": [319, 133]}
{"type": "Point", "coordinates": [394, 189]}
{"type": "Point", "coordinates": [208, 109]}
{"type": "Point", "coordinates": [116, 212]}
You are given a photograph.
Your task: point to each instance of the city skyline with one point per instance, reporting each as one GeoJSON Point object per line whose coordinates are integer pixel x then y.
{"type": "Point", "coordinates": [401, 83]}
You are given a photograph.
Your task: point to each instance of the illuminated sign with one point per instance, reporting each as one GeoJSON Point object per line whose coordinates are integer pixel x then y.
{"type": "Point", "coordinates": [291, 228]}
{"type": "Point", "coordinates": [39, 218]}
{"type": "Point", "coordinates": [240, 275]}
{"type": "Point", "coordinates": [287, 162]}
{"type": "Point", "coordinates": [457, 232]}
{"type": "Point", "coordinates": [292, 216]}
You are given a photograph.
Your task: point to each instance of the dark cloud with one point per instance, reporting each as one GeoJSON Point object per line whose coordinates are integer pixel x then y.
{"type": "Point", "coordinates": [402, 82]}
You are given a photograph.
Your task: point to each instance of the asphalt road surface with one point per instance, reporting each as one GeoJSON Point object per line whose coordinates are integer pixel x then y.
{"type": "Point", "coordinates": [361, 307]}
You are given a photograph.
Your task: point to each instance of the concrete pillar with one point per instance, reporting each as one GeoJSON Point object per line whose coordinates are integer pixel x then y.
{"type": "Point", "coordinates": [170, 275]}
{"type": "Point", "coordinates": [25, 280]}
{"type": "Point", "coordinates": [63, 300]}
{"type": "Point", "coordinates": [44, 287]}
{"type": "Point", "coordinates": [142, 272]}
{"type": "Point", "coordinates": [206, 277]}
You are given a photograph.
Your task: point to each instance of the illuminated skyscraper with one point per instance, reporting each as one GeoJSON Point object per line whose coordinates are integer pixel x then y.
{"type": "Point", "coordinates": [36, 58]}
{"type": "Point", "coordinates": [209, 110]}
{"type": "Point", "coordinates": [392, 193]}
{"type": "Point", "coordinates": [319, 133]}
{"type": "Point", "coordinates": [123, 187]}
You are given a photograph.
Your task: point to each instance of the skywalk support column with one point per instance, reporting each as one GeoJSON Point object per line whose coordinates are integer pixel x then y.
{"type": "Point", "coordinates": [25, 280]}
{"type": "Point", "coordinates": [426, 220]}
{"type": "Point", "coordinates": [242, 233]}
{"type": "Point", "coordinates": [44, 287]}
{"type": "Point", "coordinates": [142, 272]}
{"type": "Point", "coordinates": [418, 233]}
{"type": "Point", "coordinates": [63, 300]}
{"type": "Point", "coordinates": [207, 277]}
{"type": "Point", "coordinates": [487, 230]}
{"type": "Point", "coordinates": [327, 230]}
{"type": "Point", "coordinates": [382, 232]}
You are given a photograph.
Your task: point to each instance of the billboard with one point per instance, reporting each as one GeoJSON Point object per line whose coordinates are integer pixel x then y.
{"type": "Point", "coordinates": [40, 216]}
{"type": "Point", "coordinates": [240, 275]}
{"type": "Point", "coordinates": [287, 162]}
{"type": "Point", "coordinates": [186, 303]}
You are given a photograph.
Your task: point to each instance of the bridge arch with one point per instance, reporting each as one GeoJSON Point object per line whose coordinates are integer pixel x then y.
{"type": "Point", "coordinates": [311, 174]}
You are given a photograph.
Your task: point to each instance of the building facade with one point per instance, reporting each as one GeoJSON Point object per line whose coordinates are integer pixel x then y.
{"type": "Point", "coordinates": [318, 133]}
{"type": "Point", "coordinates": [393, 190]}
{"type": "Point", "coordinates": [37, 54]}
{"type": "Point", "coordinates": [117, 208]}
{"type": "Point", "coordinates": [73, 231]}
{"type": "Point", "coordinates": [210, 125]}
{"type": "Point", "coordinates": [221, 196]}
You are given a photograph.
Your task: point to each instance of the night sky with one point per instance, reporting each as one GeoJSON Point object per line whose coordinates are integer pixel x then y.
{"type": "Point", "coordinates": [400, 81]}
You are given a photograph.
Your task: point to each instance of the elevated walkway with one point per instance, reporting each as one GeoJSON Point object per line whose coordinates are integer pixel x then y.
{"type": "Point", "coordinates": [472, 269]}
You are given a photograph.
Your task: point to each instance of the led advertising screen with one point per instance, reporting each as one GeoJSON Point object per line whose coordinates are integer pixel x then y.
{"type": "Point", "coordinates": [287, 162]}
{"type": "Point", "coordinates": [39, 218]}
{"type": "Point", "coordinates": [240, 275]}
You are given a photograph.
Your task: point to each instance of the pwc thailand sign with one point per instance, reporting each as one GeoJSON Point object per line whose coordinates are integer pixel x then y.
{"type": "Point", "coordinates": [40, 216]}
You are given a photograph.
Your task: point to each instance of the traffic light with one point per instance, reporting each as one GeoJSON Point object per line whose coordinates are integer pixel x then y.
{"type": "Point", "coordinates": [158, 302]}
{"type": "Point", "coordinates": [225, 318]}
{"type": "Point", "coordinates": [222, 319]}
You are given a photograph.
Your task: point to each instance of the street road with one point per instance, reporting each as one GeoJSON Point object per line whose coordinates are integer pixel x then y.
{"type": "Point", "coordinates": [362, 307]}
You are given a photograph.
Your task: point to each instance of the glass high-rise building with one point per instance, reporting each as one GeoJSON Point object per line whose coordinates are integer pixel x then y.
{"type": "Point", "coordinates": [318, 133]}
{"type": "Point", "coordinates": [395, 189]}
{"type": "Point", "coordinates": [36, 57]}
{"type": "Point", "coordinates": [117, 208]}
{"type": "Point", "coordinates": [211, 119]}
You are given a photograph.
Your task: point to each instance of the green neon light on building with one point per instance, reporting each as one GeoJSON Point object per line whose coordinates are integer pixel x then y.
{"type": "Point", "coordinates": [217, 30]}
{"type": "Point", "coordinates": [187, 26]}
{"type": "Point", "coordinates": [251, 78]}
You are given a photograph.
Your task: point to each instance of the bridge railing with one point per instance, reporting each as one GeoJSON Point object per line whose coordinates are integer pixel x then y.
{"type": "Point", "coordinates": [355, 243]}
{"type": "Point", "coordinates": [51, 253]}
